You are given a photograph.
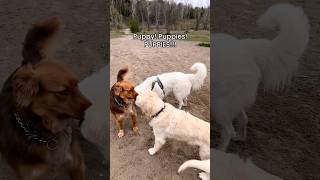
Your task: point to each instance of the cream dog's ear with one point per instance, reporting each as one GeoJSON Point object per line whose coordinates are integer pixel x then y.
{"type": "Point", "coordinates": [147, 107]}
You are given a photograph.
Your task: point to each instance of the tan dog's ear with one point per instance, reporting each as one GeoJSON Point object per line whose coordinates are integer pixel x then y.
{"type": "Point", "coordinates": [146, 106]}
{"type": "Point", "coordinates": [25, 85]}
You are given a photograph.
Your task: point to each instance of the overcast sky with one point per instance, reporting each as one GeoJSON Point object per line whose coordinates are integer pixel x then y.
{"type": "Point", "coordinates": [195, 3]}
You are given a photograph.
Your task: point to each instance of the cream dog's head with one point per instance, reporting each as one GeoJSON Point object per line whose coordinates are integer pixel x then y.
{"type": "Point", "coordinates": [149, 102]}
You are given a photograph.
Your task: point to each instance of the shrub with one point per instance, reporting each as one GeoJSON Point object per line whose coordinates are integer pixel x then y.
{"type": "Point", "coordinates": [134, 25]}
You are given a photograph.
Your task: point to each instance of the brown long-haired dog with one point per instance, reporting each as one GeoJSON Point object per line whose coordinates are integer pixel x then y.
{"type": "Point", "coordinates": [122, 97]}
{"type": "Point", "coordinates": [40, 102]}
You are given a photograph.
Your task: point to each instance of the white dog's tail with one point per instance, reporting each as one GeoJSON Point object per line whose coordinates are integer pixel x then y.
{"type": "Point", "coordinates": [198, 77]}
{"type": "Point", "coordinates": [281, 62]}
{"type": "Point", "coordinates": [202, 165]}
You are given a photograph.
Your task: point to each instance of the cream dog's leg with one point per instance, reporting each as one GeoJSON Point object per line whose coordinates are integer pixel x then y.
{"type": "Point", "coordinates": [158, 143]}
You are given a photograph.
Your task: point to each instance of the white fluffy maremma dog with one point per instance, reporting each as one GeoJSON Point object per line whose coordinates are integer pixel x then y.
{"type": "Point", "coordinates": [239, 66]}
{"type": "Point", "coordinates": [178, 83]}
{"type": "Point", "coordinates": [170, 122]}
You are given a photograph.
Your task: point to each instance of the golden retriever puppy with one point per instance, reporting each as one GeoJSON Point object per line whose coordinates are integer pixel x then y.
{"type": "Point", "coordinates": [170, 122]}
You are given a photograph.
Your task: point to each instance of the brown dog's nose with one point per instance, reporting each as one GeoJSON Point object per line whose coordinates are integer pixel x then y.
{"type": "Point", "coordinates": [135, 95]}
{"type": "Point", "coordinates": [86, 103]}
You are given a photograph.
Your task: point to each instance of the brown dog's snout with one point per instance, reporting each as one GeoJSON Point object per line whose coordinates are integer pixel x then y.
{"type": "Point", "coordinates": [135, 95]}
{"type": "Point", "coordinates": [85, 103]}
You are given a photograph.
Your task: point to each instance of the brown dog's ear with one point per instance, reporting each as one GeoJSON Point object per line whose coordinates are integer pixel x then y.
{"type": "Point", "coordinates": [117, 89]}
{"type": "Point", "coordinates": [25, 85]}
{"type": "Point", "coordinates": [52, 125]}
{"type": "Point", "coordinates": [37, 40]}
{"type": "Point", "coordinates": [49, 121]}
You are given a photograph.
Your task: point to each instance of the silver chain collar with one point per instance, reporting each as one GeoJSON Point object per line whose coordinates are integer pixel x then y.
{"type": "Point", "coordinates": [34, 136]}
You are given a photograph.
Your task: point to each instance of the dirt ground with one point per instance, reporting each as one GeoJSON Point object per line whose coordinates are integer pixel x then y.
{"type": "Point", "coordinates": [81, 45]}
{"type": "Point", "coordinates": [129, 157]}
{"type": "Point", "coordinates": [284, 128]}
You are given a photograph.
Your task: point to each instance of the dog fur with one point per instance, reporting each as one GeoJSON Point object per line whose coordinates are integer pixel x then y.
{"type": "Point", "coordinates": [231, 167]}
{"type": "Point", "coordinates": [123, 91]}
{"type": "Point", "coordinates": [174, 123]}
{"type": "Point", "coordinates": [240, 65]}
{"type": "Point", "coordinates": [178, 83]}
{"type": "Point", "coordinates": [45, 96]}
{"type": "Point", "coordinates": [203, 165]}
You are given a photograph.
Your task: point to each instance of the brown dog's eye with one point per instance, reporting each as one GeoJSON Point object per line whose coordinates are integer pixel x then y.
{"type": "Point", "coordinates": [64, 93]}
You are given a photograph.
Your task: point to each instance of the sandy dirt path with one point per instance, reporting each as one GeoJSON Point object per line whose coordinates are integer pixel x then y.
{"type": "Point", "coordinates": [129, 158]}
{"type": "Point", "coordinates": [284, 128]}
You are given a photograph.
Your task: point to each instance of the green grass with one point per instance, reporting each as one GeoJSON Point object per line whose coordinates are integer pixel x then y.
{"type": "Point", "coordinates": [200, 36]}
{"type": "Point", "coordinates": [116, 34]}
{"type": "Point", "coordinates": [204, 44]}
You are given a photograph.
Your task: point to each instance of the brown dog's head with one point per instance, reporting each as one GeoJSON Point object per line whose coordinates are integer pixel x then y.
{"type": "Point", "coordinates": [51, 91]}
{"type": "Point", "coordinates": [125, 90]}
{"type": "Point", "coordinates": [48, 89]}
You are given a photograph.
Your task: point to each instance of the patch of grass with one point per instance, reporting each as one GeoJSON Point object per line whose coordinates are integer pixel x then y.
{"type": "Point", "coordinates": [204, 44]}
{"type": "Point", "coordinates": [201, 36]}
{"type": "Point", "coordinates": [116, 34]}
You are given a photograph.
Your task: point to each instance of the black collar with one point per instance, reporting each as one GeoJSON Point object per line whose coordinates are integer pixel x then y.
{"type": "Point", "coordinates": [33, 135]}
{"type": "Point", "coordinates": [119, 102]}
{"type": "Point", "coordinates": [155, 115]}
{"type": "Point", "coordinates": [159, 83]}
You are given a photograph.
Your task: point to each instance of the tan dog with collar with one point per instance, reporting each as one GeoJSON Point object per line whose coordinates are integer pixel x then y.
{"type": "Point", "coordinates": [170, 122]}
{"type": "Point", "coordinates": [122, 97]}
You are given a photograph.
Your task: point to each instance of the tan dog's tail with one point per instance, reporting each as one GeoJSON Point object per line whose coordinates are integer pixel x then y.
{"type": "Point", "coordinates": [37, 39]}
{"type": "Point", "coordinates": [122, 72]}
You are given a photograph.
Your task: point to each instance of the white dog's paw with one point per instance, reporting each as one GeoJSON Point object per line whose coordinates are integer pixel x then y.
{"type": "Point", "coordinates": [204, 176]}
{"type": "Point", "coordinates": [121, 133]}
{"type": "Point", "coordinates": [185, 102]}
{"type": "Point", "coordinates": [151, 151]}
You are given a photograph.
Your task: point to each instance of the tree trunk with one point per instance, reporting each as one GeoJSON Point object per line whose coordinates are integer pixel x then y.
{"type": "Point", "coordinates": [133, 8]}
{"type": "Point", "coordinates": [157, 15]}
{"type": "Point", "coordinates": [142, 16]}
{"type": "Point", "coordinates": [165, 15]}
{"type": "Point", "coordinates": [148, 15]}
{"type": "Point", "coordinates": [197, 19]}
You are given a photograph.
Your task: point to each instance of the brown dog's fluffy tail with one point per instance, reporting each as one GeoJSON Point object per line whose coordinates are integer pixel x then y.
{"type": "Point", "coordinates": [37, 39]}
{"type": "Point", "coordinates": [122, 72]}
